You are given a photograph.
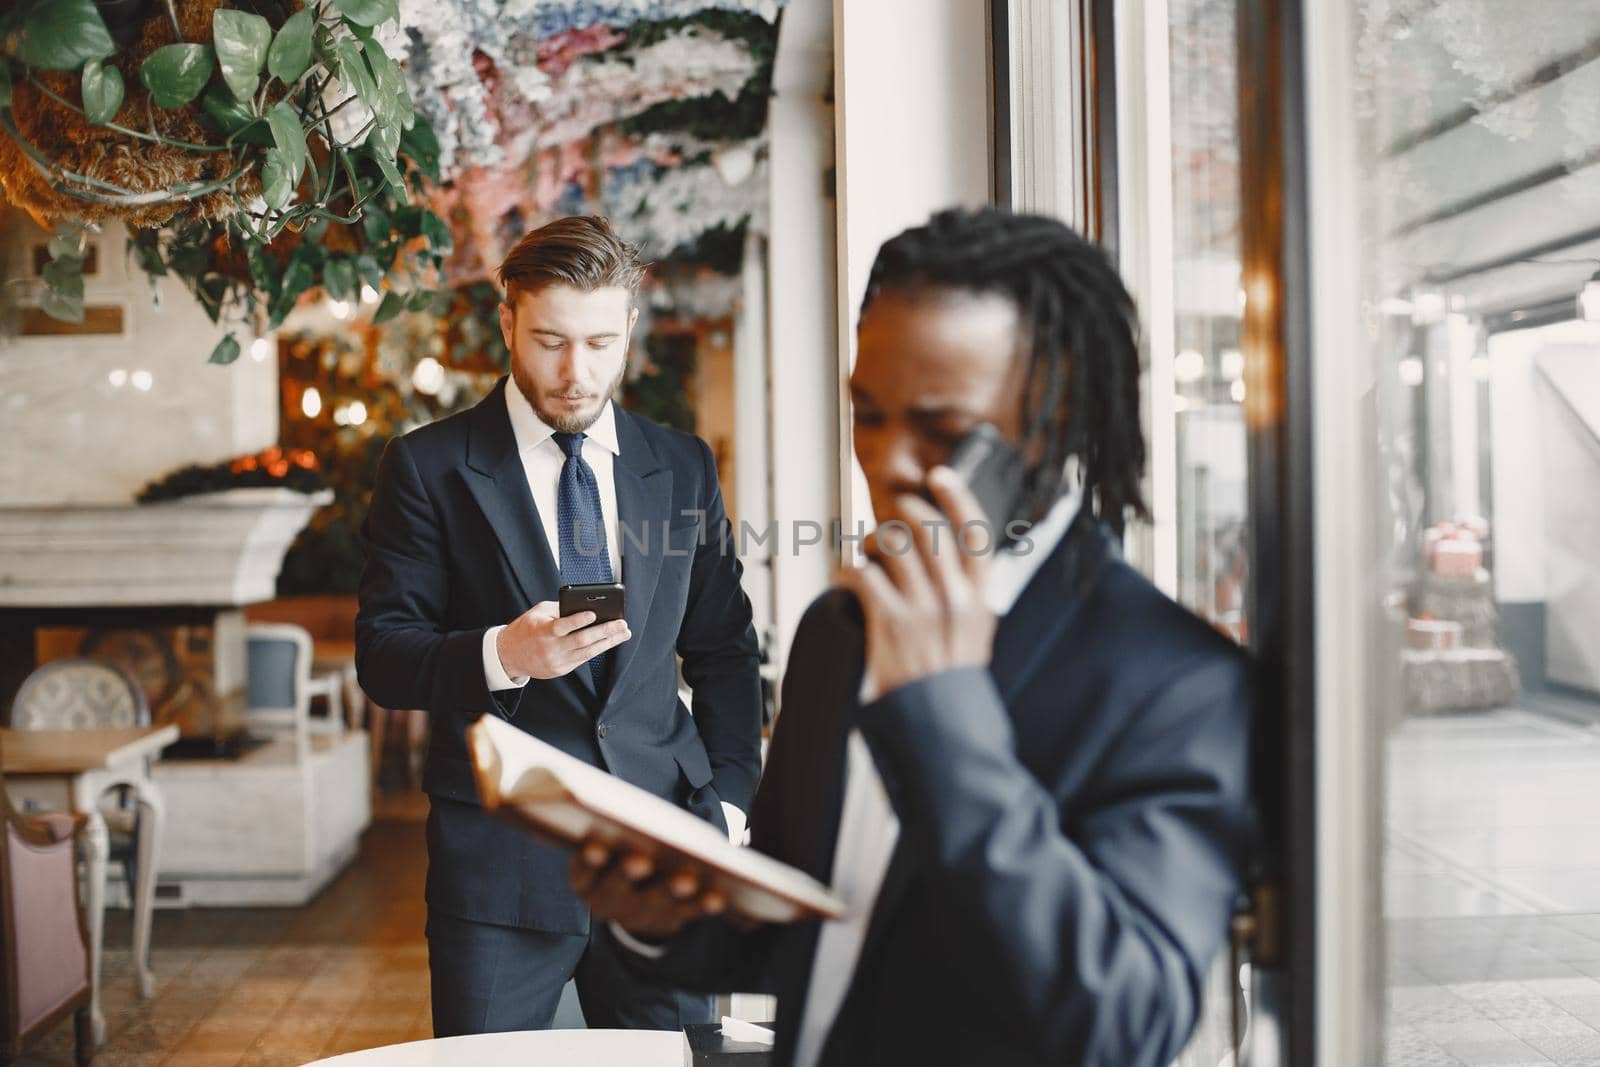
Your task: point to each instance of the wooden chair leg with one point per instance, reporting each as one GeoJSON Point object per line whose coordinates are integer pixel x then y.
{"type": "Point", "coordinates": [83, 1037]}
{"type": "Point", "coordinates": [377, 722]}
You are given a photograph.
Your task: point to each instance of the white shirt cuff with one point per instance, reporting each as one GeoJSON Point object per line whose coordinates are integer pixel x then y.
{"type": "Point", "coordinates": [634, 945]}
{"type": "Point", "coordinates": [494, 672]}
{"type": "Point", "coordinates": [738, 831]}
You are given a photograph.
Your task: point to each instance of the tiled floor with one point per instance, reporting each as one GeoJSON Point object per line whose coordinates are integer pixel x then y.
{"type": "Point", "coordinates": [1492, 892]}
{"type": "Point", "coordinates": [265, 986]}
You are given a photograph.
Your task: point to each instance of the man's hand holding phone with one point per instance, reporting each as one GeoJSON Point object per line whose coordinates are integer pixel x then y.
{"type": "Point", "coordinates": [542, 643]}
{"type": "Point", "coordinates": [922, 588]}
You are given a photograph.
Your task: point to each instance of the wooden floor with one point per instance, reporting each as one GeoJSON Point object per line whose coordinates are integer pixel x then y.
{"type": "Point", "coordinates": [262, 986]}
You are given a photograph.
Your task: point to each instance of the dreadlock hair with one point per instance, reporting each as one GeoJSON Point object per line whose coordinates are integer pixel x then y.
{"type": "Point", "coordinates": [1080, 331]}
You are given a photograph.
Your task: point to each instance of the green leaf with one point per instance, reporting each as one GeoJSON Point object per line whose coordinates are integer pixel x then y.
{"type": "Point", "coordinates": [433, 301]}
{"type": "Point", "coordinates": [356, 77]}
{"type": "Point", "coordinates": [233, 118]}
{"type": "Point", "coordinates": [382, 143]}
{"type": "Point", "coordinates": [369, 271]}
{"type": "Point", "coordinates": [226, 352]}
{"type": "Point", "coordinates": [367, 12]}
{"type": "Point", "coordinates": [322, 46]}
{"type": "Point", "coordinates": [339, 278]}
{"type": "Point", "coordinates": [5, 83]}
{"type": "Point", "coordinates": [276, 184]}
{"type": "Point", "coordinates": [212, 291]}
{"type": "Point", "coordinates": [390, 82]}
{"type": "Point", "coordinates": [102, 92]}
{"type": "Point", "coordinates": [145, 247]}
{"type": "Point", "coordinates": [437, 233]}
{"type": "Point", "coordinates": [63, 35]}
{"type": "Point", "coordinates": [421, 145]}
{"type": "Point", "coordinates": [297, 278]}
{"type": "Point", "coordinates": [264, 270]}
{"type": "Point", "coordinates": [176, 73]}
{"type": "Point", "coordinates": [241, 39]}
{"type": "Point", "coordinates": [290, 54]}
{"type": "Point", "coordinates": [376, 224]}
{"type": "Point", "coordinates": [393, 303]}
{"type": "Point", "coordinates": [290, 138]}
{"type": "Point", "coordinates": [190, 258]}
{"type": "Point", "coordinates": [67, 242]}
{"type": "Point", "coordinates": [63, 289]}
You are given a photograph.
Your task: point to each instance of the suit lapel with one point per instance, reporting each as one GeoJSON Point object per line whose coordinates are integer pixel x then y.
{"type": "Point", "coordinates": [495, 476]}
{"type": "Point", "coordinates": [1027, 633]}
{"type": "Point", "coordinates": [499, 484]}
{"type": "Point", "coordinates": [1024, 638]}
{"type": "Point", "coordinates": [644, 507]}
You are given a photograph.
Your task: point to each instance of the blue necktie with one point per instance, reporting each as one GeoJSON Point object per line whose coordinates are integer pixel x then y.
{"type": "Point", "coordinates": [584, 554]}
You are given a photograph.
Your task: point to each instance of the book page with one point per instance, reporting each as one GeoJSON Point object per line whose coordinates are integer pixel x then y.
{"type": "Point", "coordinates": [564, 797]}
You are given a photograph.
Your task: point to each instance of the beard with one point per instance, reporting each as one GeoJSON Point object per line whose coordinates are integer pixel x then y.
{"type": "Point", "coordinates": [561, 419]}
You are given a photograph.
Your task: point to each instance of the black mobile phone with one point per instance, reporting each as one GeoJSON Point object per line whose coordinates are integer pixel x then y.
{"type": "Point", "coordinates": [602, 598]}
{"type": "Point", "coordinates": [995, 472]}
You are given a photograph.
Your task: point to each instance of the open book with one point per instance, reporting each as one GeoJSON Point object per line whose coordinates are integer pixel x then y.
{"type": "Point", "coordinates": [536, 783]}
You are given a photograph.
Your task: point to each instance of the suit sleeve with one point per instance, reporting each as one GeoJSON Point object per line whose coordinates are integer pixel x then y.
{"type": "Point", "coordinates": [405, 658]}
{"type": "Point", "coordinates": [1093, 920]}
{"type": "Point", "coordinates": [721, 659]}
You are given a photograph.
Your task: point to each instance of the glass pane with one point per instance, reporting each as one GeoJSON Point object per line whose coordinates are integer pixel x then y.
{"type": "Point", "coordinates": [1207, 433]}
{"type": "Point", "coordinates": [1481, 227]}
{"type": "Point", "coordinates": [1207, 367]}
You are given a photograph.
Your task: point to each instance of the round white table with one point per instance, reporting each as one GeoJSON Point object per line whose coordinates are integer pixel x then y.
{"type": "Point", "coordinates": [529, 1048]}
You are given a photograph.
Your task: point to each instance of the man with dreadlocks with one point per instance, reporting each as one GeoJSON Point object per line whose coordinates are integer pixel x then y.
{"type": "Point", "coordinates": [1031, 788]}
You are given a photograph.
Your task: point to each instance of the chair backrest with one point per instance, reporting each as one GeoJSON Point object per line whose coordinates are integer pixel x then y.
{"type": "Point", "coordinates": [279, 671]}
{"type": "Point", "coordinates": [78, 694]}
{"type": "Point", "coordinates": [44, 939]}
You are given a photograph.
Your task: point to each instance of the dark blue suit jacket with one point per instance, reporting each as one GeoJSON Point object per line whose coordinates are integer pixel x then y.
{"type": "Point", "coordinates": [1073, 821]}
{"type": "Point", "coordinates": [455, 545]}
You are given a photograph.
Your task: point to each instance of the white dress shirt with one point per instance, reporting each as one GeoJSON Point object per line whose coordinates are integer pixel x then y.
{"type": "Point", "coordinates": [542, 460]}
{"type": "Point", "coordinates": [868, 827]}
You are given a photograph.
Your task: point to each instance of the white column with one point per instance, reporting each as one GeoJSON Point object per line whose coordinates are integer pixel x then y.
{"type": "Point", "coordinates": [803, 358]}
{"type": "Point", "coordinates": [752, 420]}
{"type": "Point", "coordinates": [1144, 152]}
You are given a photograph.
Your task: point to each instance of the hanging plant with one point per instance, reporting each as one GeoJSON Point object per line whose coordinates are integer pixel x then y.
{"type": "Point", "coordinates": [396, 243]}
{"type": "Point", "coordinates": [241, 134]}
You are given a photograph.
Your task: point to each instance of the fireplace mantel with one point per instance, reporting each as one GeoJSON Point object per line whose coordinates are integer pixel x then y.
{"type": "Point", "coordinates": [218, 549]}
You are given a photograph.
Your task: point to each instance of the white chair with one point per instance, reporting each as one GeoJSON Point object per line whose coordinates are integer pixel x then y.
{"type": "Point", "coordinates": [278, 679]}
{"type": "Point", "coordinates": [88, 694]}
{"type": "Point", "coordinates": [330, 686]}
{"type": "Point", "coordinates": [78, 694]}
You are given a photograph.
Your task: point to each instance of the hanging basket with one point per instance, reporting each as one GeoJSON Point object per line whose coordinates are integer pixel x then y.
{"type": "Point", "coordinates": [44, 118]}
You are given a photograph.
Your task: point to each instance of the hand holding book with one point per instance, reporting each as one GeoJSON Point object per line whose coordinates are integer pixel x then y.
{"type": "Point", "coordinates": [642, 859]}
{"type": "Point", "coordinates": [630, 888]}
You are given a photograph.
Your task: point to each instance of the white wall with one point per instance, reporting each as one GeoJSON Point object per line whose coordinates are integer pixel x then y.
{"type": "Point", "coordinates": [1569, 390]}
{"type": "Point", "coordinates": [913, 137]}
{"type": "Point", "coordinates": [1516, 468]}
{"type": "Point", "coordinates": [69, 435]}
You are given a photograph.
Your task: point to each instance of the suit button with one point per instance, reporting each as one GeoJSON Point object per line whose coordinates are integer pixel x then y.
{"type": "Point", "coordinates": [602, 730]}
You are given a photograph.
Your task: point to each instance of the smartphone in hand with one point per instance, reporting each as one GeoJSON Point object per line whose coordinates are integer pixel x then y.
{"type": "Point", "coordinates": [995, 472]}
{"type": "Point", "coordinates": [602, 598]}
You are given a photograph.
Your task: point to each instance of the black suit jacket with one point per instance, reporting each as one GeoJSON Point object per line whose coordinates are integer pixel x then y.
{"type": "Point", "coordinates": [455, 545]}
{"type": "Point", "coordinates": [1073, 821]}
